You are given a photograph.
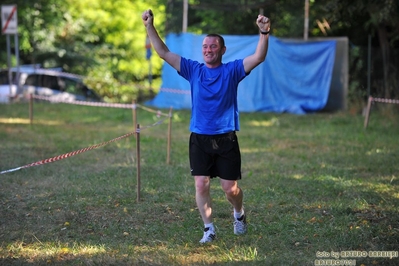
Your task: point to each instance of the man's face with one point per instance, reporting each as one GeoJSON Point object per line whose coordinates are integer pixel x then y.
{"type": "Point", "coordinates": [212, 51]}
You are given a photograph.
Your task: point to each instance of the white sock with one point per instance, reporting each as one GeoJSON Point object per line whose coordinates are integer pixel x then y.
{"type": "Point", "coordinates": [210, 226]}
{"type": "Point", "coordinates": [238, 214]}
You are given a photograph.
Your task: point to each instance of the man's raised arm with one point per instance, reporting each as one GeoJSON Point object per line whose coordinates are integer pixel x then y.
{"type": "Point", "coordinates": [252, 61]}
{"type": "Point", "coordinates": [159, 46]}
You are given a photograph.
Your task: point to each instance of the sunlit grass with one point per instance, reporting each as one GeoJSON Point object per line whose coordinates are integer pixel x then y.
{"type": "Point", "coordinates": [24, 121]}
{"type": "Point", "coordinates": [48, 250]}
{"type": "Point", "coordinates": [264, 123]}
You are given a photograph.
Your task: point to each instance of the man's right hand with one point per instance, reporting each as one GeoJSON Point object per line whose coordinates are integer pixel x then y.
{"type": "Point", "coordinates": [263, 23]}
{"type": "Point", "coordinates": [147, 17]}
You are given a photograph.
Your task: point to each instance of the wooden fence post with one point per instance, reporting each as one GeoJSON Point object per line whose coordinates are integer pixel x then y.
{"type": "Point", "coordinates": [138, 161]}
{"type": "Point", "coordinates": [31, 108]}
{"type": "Point", "coordinates": [367, 117]}
{"type": "Point", "coordinates": [134, 113]}
{"type": "Point", "coordinates": [168, 149]}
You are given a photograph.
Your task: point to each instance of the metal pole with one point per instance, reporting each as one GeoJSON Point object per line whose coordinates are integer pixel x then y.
{"type": "Point", "coordinates": [306, 21]}
{"type": "Point", "coordinates": [17, 61]}
{"type": "Point", "coordinates": [185, 16]}
{"type": "Point", "coordinates": [369, 67]}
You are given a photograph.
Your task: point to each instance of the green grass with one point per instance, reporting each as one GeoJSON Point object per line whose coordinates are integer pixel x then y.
{"type": "Point", "coordinates": [312, 183]}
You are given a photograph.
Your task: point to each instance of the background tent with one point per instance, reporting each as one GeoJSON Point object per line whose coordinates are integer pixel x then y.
{"type": "Point", "coordinates": [295, 77]}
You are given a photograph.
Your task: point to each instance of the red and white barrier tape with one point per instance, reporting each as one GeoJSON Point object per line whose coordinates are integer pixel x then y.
{"type": "Point", "coordinates": [382, 100]}
{"type": "Point", "coordinates": [155, 124]}
{"type": "Point", "coordinates": [175, 91]}
{"type": "Point", "coordinates": [99, 104]}
{"type": "Point", "coordinates": [69, 154]}
{"type": "Point", "coordinates": [66, 155]}
{"type": "Point", "coordinates": [158, 113]}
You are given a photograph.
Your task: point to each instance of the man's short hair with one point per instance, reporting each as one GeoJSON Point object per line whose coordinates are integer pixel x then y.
{"type": "Point", "coordinates": [221, 40]}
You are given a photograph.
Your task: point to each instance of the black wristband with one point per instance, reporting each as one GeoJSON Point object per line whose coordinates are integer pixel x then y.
{"type": "Point", "coordinates": [264, 32]}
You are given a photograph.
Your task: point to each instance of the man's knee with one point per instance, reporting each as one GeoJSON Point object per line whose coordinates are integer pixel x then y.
{"type": "Point", "coordinates": [202, 184]}
{"type": "Point", "coordinates": [230, 188]}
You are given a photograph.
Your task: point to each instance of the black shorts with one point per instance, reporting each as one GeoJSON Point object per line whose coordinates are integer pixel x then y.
{"type": "Point", "coordinates": [215, 155]}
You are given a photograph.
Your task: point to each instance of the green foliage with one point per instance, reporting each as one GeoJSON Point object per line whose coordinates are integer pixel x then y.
{"type": "Point", "coordinates": [114, 32]}
{"type": "Point", "coordinates": [286, 23]}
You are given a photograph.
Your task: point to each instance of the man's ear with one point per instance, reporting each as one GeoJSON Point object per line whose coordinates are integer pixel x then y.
{"type": "Point", "coordinates": [224, 50]}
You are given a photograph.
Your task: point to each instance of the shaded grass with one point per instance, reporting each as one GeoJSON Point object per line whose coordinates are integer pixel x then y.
{"type": "Point", "coordinates": [312, 183]}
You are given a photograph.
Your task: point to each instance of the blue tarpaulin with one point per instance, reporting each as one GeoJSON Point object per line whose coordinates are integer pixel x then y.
{"type": "Point", "coordinates": [295, 77]}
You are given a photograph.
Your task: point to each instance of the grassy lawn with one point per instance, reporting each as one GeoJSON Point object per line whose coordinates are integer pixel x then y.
{"type": "Point", "coordinates": [315, 186]}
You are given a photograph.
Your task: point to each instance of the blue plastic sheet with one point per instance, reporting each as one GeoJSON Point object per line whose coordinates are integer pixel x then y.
{"type": "Point", "coordinates": [295, 77]}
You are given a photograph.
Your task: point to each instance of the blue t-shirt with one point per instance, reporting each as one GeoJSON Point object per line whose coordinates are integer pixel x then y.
{"type": "Point", "coordinates": [213, 95]}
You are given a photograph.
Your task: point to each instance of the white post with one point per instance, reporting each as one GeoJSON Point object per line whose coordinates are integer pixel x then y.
{"type": "Point", "coordinates": [9, 64]}
{"type": "Point", "coordinates": [16, 43]}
